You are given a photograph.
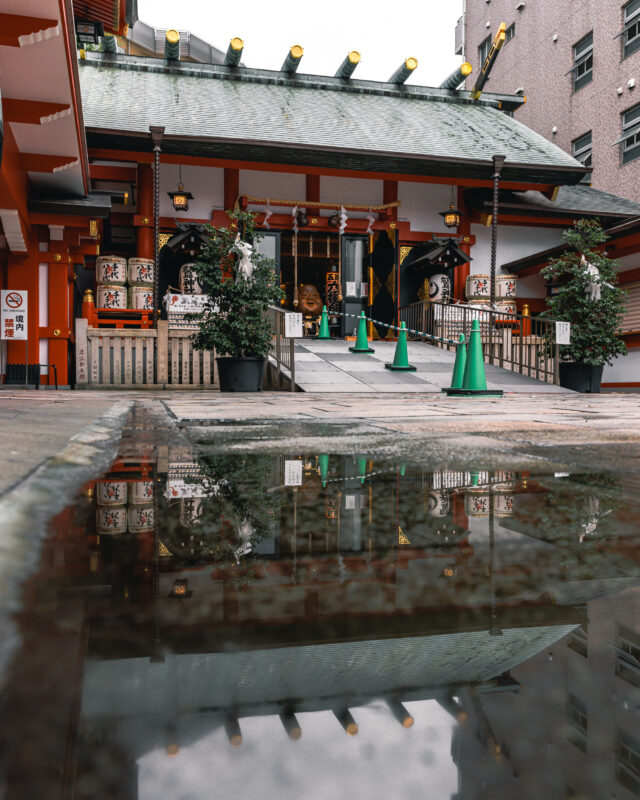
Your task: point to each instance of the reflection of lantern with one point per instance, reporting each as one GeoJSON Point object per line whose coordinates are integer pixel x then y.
{"type": "Point", "coordinates": [191, 510]}
{"type": "Point", "coordinates": [438, 504]}
{"type": "Point", "coordinates": [180, 588]}
{"type": "Point", "coordinates": [476, 502]}
{"type": "Point", "coordinates": [503, 505]}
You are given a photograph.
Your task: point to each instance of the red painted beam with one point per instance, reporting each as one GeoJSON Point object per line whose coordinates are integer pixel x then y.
{"type": "Point", "coordinates": [103, 172]}
{"type": "Point", "coordinates": [38, 162]}
{"type": "Point", "coordinates": [629, 275]}
{"type": "Point", "coordinates": [32, 112]}
{"type": "Point", "coordinates": [14, 27]}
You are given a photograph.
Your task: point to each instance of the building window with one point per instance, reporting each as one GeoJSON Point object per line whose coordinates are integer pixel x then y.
{"type": "Point", "coordinates": [578, 641]}
{"type": "Point", "coordinates": [511, 30]}
{"type": "Point", "coordinates": [630, 139]}
{"type": "Point", "coordinates": [483, 50]}
{"type": "Point", "coordinates": [582, 62]}
{"type": "Point", "coordinates": [577, 725]}
{"type": "Point", "coordinates": [631, 30]}
{"type": "Point", "coordinates": [628, 762]}
{"type": "Point", "coordinates": [581, 149]}
{"type": "Point", "coordinates": [628, 650]}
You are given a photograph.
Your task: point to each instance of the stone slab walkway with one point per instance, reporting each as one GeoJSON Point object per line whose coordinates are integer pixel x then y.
{"type": "Point", "coordinates": [329, 366]}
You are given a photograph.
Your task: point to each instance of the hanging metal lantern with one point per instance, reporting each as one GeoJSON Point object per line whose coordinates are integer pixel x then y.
{"type": "Point", "coordinates": [180, 198]}
{"type": "Point", "coordinates": [451, 217]}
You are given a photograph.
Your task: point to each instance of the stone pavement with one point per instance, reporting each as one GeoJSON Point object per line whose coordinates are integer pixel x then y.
{"type": "Point", "coordinates": [328, 366]}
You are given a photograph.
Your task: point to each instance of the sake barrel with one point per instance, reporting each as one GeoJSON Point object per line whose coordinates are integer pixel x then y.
{"type": "Point", "coordinates": [476, 503]}
{"type": "Point", "coordinates": [506, 286]}
{"type": "Point", "coordinates": [439, 288]}
{"type": "Point", "coordinates": [507, 307]}
{"type": "Point", "coordinates": [503, 505]}
{"type": "Point", "coordinates": [189, 280]}
{"type": "Point", "coordinates": [112, 297]}
{"type": "Point", "coordinates": [142, 519]}
{"type": "Point", "coordinates": [141, 492]}
{"type": "Point", "coordinates": [141, 298]}
{"type": "Point", "coordinates": [111, 270]}
{"type": "Point", "coordinates": [438, 504]}
{"type": "Point", "coordinates": [141, 272]}
{"type": "Point", "coordinates": [111, 520]}
{"type": "Point", "coordinates": [111, 493]}
{"type": "Point", "coordinates": [478, 287]}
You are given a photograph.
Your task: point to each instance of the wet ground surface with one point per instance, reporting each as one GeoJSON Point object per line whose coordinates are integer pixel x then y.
{"type": "Point", "coordinates": [311, 609]}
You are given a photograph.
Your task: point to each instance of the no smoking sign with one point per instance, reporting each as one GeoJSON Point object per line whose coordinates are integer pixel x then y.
{"type": "Point", "coordinates": [13, 314]}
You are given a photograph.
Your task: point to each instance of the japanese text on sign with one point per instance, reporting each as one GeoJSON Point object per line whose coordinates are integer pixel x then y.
{"type": "Point", "coordinates": [292, 325]}
{"type": "Point", "coordinates": [13, 314]}
{"type": "Point", "coordinates": [563, 333]}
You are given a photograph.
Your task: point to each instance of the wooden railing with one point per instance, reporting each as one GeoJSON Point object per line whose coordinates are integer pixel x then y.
{"type": "Point", "coordinates": [516, 342]}
{"type": "Point", "coordinates": [141, 359]}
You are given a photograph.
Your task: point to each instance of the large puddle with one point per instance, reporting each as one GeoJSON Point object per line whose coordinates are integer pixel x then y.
{"type": "Point", "coordinates": [314, 625]}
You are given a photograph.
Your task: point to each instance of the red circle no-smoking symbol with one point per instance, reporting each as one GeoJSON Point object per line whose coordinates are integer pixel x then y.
{"type": "Point", "coordinates": [14, 300]}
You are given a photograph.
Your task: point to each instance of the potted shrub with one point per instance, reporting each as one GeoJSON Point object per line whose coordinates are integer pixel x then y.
{"type": "Point", "coordinates": [240, 285]}
{"type": "Point", "coordinates": [588, 296]}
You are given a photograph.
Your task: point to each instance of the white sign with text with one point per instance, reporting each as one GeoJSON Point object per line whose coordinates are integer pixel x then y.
{"type": "Point", "coordinates": [563, 333]}
{"type": "Point", "coordinates": [293, 473]}
{"type": "Point", "coordinates": [292, 325]}
{"type": "Point", "coordinates": [13, 314]}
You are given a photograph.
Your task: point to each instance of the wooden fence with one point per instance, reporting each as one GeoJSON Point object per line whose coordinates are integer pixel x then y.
{"type": "Point", "coordinates": [141, 359]}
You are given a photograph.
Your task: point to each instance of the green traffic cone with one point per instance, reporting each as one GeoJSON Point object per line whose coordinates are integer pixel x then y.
{"type": "Point", "coordinates": [459, 365]}
{"type": "Point", "coordinates": [475, 478]}
{"type": "Point", "coordinates": [362, 343]}
{"type": "Point", "coordinates": [362, 468]}
{"type": "Point", "coordinates": [401, 357]}
{"type": "Point", "coordinates": [323, 333]}
{"type": "Point", "coordinates": [403, 469]}
{"type": "Point", "coordinates": [323, 461]}
{"type": "Point", "coordinates": [474, 381]}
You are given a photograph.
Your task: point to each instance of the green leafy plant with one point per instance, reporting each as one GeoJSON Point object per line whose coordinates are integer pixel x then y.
{"type": "Point", "coordinates": [595, 324]}
{"type": "Point", "coordinates": [234, 321]}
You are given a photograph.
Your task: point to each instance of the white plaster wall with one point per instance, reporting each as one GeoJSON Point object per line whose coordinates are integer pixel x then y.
{"type": "Point", "coordinates": [625, 369]}
{"type": "Point", "coordinates": [280, 185]}
{"type": "Point", "coordinates": [206, 184]}
{"type": "Point", "coordinates": [421, 203]}
{"type": "Point", "coordinates": [351, 190]}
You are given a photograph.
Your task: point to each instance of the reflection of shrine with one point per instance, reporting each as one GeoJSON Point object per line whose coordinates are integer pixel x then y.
{"type": "Point", "coordinates": [275, 586]}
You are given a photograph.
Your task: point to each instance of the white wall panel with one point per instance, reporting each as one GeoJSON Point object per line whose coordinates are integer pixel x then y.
{"type": "Point", "coordinates": [206, 184]}
{"type": "Point", "coordinates": [625, 369]}
{"type": "Point", "coordinates": [421, 203]}
{"type": "Point", "coordinates": [43, 295]}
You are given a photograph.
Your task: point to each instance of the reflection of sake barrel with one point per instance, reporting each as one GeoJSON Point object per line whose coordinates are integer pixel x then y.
{"type": "Point", "coordinates": [111, 270]}
{"type": "Point", "coordinates": [140, 492]}
{"type": "Point", "coordinates": [507, 307]}
{"type": "Point", "coordinates": [506, 286]}
{"type": "Point", "coordinates": [189, 280]}
{"type": "Point", "coordinates": [439, 288]}
{"type": "Point", "coordinates": [111, 493]}
{"type": "Point", "coordinates": [141, 519]}
{"type": "Point", "coordinates": [111, 520]}
{"type": "Point", "coordinates": [476, 502]}
{"type": "Point", "coordinates": [438, 504]}
{"type": "Point", "coordinates": [112, 297]}
{"type": "Point", "coordinates": [141, 272]}
{"type": "Point", "coordinates": [141, 297]}
{"type": "Point", "coordinates": [503, 505]}
{"type": "Point", "coordinates": [191, 510]}
{"type": "Point", "coordinates": [478, 287]}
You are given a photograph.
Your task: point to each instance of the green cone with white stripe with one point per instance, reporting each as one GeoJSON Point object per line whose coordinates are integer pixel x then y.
{"type": "Point", "coordinates": [362, 343]}
{"type": "Point", "coordinates": [401, 356]}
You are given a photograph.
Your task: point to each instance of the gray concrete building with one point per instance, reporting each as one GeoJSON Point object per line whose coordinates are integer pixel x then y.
{"type": "Point", "coordinates": [578, 64]}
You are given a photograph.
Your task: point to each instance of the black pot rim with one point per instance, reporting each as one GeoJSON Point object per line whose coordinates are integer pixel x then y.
{"type": "Point", "coordinates": [240, 358]}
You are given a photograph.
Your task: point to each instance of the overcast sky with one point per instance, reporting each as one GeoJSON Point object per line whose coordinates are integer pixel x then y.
{"type": "Point", "coordinates": [384, 34]}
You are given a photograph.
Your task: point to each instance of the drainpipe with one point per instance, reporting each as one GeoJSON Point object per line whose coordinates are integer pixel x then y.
{"type": "Point", "coordinates": [498, 163]}
{"type": "Point", "coordinates": [156, 132]}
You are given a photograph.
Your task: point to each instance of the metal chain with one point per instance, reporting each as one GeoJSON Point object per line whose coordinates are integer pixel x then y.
{"type": "Point", "coordinates": [396, 328]}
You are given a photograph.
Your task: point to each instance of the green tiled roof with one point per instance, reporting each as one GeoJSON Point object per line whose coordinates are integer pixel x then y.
{"type": "Point", "coordinates": [360, 126]}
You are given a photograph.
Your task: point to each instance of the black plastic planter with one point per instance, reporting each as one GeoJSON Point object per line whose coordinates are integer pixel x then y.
{"type": "Point", "coordinates": [581, 377]}
{"type": "Point", "coordinates": [240, 374]}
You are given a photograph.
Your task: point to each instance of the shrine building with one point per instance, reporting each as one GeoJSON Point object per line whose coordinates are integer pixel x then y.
{"type": "Point", "coordinates": [129, 149]}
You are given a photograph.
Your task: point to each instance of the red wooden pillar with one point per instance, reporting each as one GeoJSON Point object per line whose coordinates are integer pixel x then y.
{"type": "Point", "coordinates": [312, 192]}
{"type": "Point", "coordinates": [231, 188]}
{"type": "Point", "coordinates": [461, 273]}
{"type": "Point", "coordinates": [22, 273]}
{"type": "Point", "coordinates": [58, 307]}
{"type": "Point", "coordinates": [145, 248]}
{"type": "Point", "coordinates": [390, 195]}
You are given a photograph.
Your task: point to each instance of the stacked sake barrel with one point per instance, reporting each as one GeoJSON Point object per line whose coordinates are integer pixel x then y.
{"type": "Point", "coordinates": [125, 505]}
{"type": "Point", "coordinates": [123, 285]}
{"type": "Point", "coordinates": [478, 290]}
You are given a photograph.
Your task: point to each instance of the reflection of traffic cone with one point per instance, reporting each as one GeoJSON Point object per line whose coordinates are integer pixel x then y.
{"type": "Point", "coordinates": [459, 365]}
{"type": "Point", "coordinates": [401, 357]}
{"type": "Point", "coordinates": [362, 345]}
{"type": "Point", "coordinates": [323, 461]}
{"type": "Point", "coordinates": [474, 381]}
{"type": "Point", "coordinates": [323, 333]}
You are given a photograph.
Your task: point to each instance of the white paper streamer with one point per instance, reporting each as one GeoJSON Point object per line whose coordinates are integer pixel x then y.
{"type": "Point", "coordinates": [294, 214]}
{"type": "Point", "coordinates": [268, 214]}
{"type": "Point", "coordinates": [343, 219]}
{"type": "Point", "coordinates": [370, 219]}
